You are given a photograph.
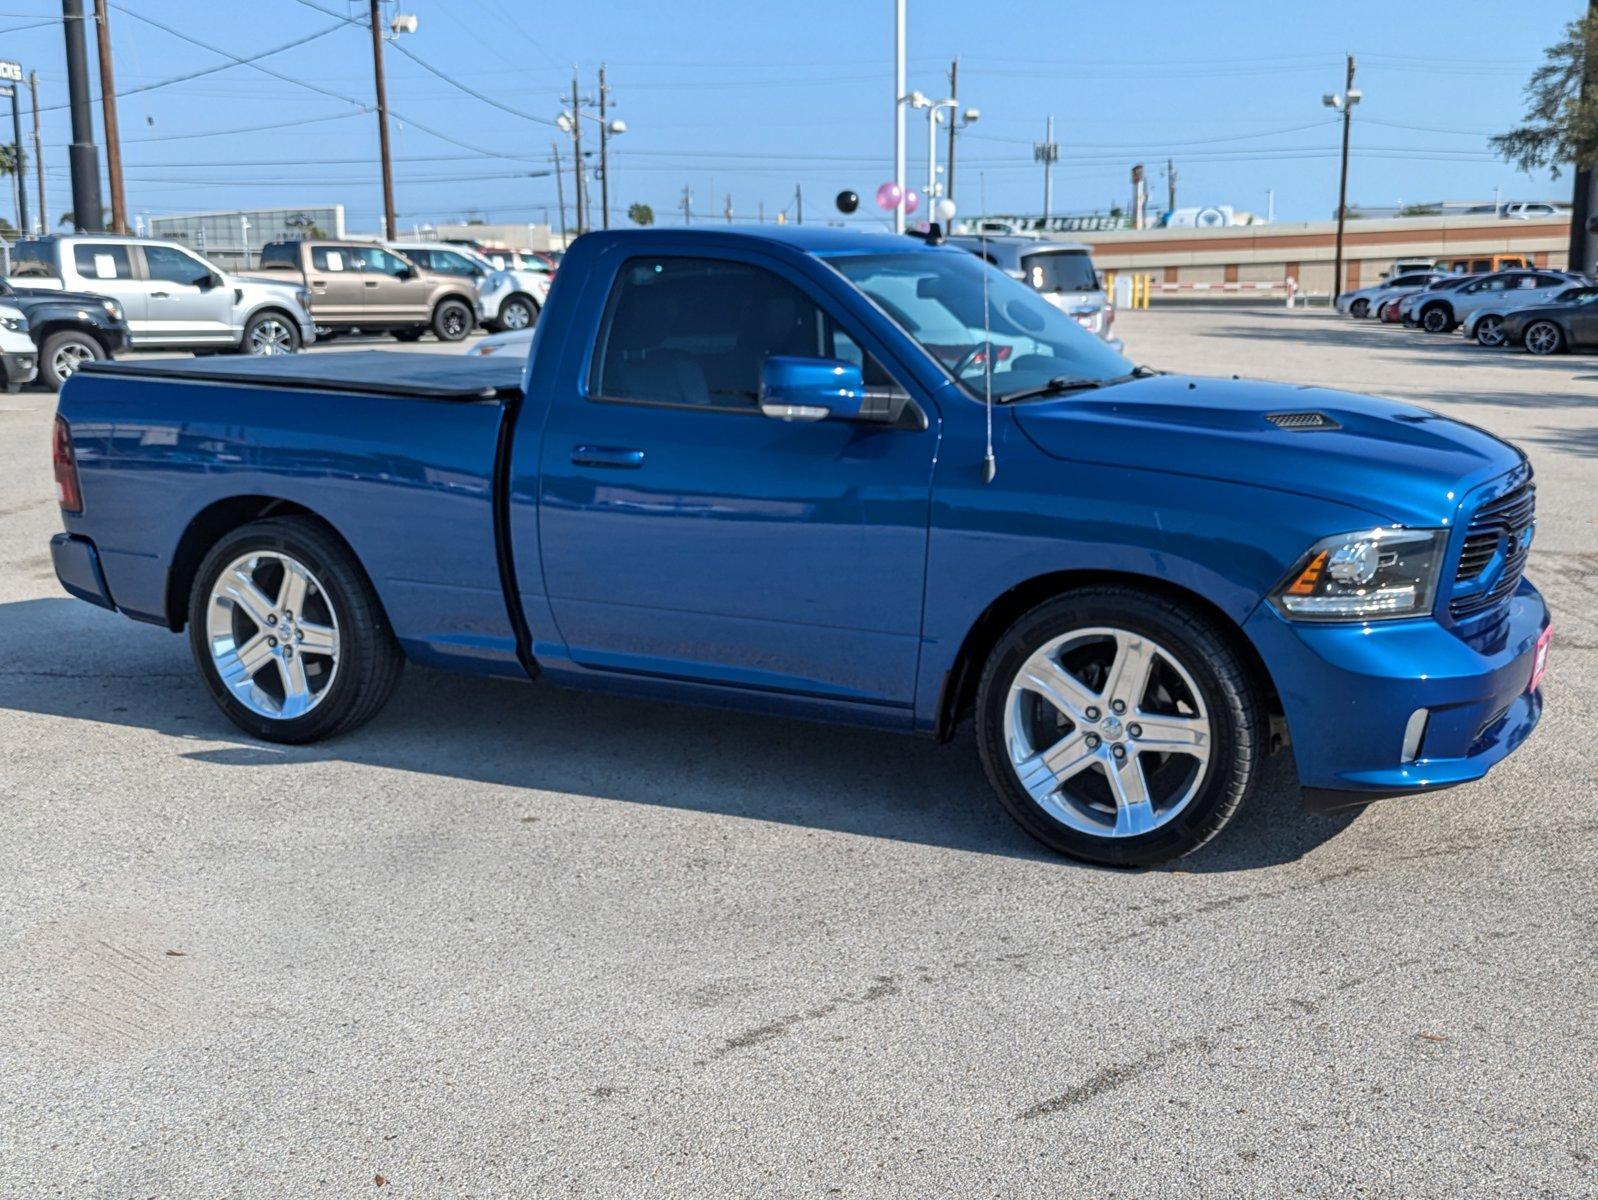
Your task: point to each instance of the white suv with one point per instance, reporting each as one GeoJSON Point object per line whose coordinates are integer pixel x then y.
{"type": "Point", "coordinates": [511, 299]}
{"type": "Point", "coordinates": [173, 298]}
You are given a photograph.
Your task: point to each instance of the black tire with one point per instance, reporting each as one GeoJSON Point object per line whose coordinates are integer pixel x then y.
{"type": "Point", "coordinates": [57, 355]}
{"type": "Point", "coordinates": [270, 329]}
{"type": "Point", "coordinates": [452, 320]}
{"type": "Point", "coordinates": [369, 659]}
{"type": "Point", "coordinates": [1229, 692]}
{"type": "Point", "coordinates": [518, 312]}
{"type": "Point", "coordinates": [408, 335]}
{"type": "Point", "coordinates": [1437, 318]}
{"type": "Point", "coordinates": [1360, 308]}
{"type": "Point", "coordinates": [1543, 338]}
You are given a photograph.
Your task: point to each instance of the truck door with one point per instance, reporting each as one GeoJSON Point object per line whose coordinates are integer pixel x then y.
{"type": "Point", "coordinates": [334, 277]}
{"type": "Point", "coordinates": [395, 290]}
{"type": "Point", "coordinates": [106, 269]}
{"type": "Point", "coordinates": [686, 535]}
{"type": "Point", "coordinates": [185, 305]}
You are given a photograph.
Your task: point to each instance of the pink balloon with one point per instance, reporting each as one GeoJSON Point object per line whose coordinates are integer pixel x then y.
{"type": "Point", "coordinates": [912, 201]}
{"type": "Point", "coordinates": [889, 195]}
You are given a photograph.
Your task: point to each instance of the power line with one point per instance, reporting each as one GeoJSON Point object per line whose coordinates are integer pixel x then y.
{"type": "Point", "coordinates": [205, 133]}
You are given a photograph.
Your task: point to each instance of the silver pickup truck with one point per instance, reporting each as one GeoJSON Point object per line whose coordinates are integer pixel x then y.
{"type": "Point", "coordinates": [173, 298]}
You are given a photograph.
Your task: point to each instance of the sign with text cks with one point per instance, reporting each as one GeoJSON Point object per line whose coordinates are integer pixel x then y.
{"type": "Point", "coordinates": [11, 72]}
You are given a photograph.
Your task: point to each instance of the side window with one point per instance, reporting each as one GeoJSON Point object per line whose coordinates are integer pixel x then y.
{"type": "Point", "coordinates": [448, 262]}
{"type": "Point", "coordinates": [171, 265]}
{"type": "Point", "coordinates": [374, 259]}
{"type": "Point", "coordinates": [695, 331]}
{"type": "Point", "coordinates": [279, 254]}
{"type": "Point", "coordinates": [328, 258]}
{"type": "Point", "coordinates": [1544, 281]}
{"type": "Point", "coordinates": [32, 260]}
{"type": "Point", "coordinates": [102, 260]}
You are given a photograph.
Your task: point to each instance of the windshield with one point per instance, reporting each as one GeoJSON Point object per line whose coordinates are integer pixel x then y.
{"type": "Point", "coordinates": [937, 298]}
{"type": "Point", "coordinates": [1060, 271]}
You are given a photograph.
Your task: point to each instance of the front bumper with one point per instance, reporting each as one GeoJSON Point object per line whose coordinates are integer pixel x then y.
{"type": "Point", "coordinates": [1350, 692]}
{"type": "Point", "coordinates": [77, 566]}
{"type": "Point", "coordinates": [20, 368]}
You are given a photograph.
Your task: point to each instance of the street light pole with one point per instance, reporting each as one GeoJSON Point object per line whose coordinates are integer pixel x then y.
{"type": "Point", "coordinates": [577, 155]}
{"type": "Point", "coordinates": [84, 158]}
{"type": "Point", "coordinates": [899, 100]}
{"type": "Point", "coordinates": [1350, 97]}
{"type": "Point", "coordinates": [1047, 152]}
{"type": "Point", "coordinates": [382, 120]}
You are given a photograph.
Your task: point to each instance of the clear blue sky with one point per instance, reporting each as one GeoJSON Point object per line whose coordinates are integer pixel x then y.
{"type": "Point", "coordinates": [752, 99]}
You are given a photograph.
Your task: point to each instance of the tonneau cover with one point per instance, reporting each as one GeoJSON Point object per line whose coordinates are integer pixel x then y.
{"type": "Point", "coordinates": [456, 377]}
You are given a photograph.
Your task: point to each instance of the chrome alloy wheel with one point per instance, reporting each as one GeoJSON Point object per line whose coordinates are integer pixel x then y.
{"type": "Point", "coordinates": [273, 635]}
{"type": "Point", "coordinates": [271, 336]}
{"type": "Point", "coordinates": [1107, 732]}
{"type": "Point", "coordinates": [516, 315]}
{"type": "Point", "coordinates": [69, 357]}
{"type": "Point", "coordinates": [1490, 331]}
{"type": "Point", "coordinates": [1543, 337]}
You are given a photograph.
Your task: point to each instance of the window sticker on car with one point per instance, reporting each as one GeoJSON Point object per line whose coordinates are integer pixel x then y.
{"type": "Point", "coordinates": [105, 266]}
{"type": "Point", "coordinates": [335, 261]}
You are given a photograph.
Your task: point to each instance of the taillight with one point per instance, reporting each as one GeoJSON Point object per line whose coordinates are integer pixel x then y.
{"type": "Point", "coordinates": [67, 491]}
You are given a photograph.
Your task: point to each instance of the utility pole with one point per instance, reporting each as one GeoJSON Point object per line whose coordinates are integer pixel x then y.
{"type": "Point", "coordinates": [1047, 152]}
{"type": "Point", "coordinates": [382, 119]}
{"type": "Point", "coordinates": [20, 173]}
{"type": "Point", "coordinates": [1584, 194]}
{"type": "Point", "coordinates": [954, 94]}
{"type": "Point", "coordinates": [38, 152]}
{"type": "Point", "coordinates": [1346, 101]}
{"type": "Point", "coordinates": [604, 160]}
{"type": "Point", "coordinates": [560, 193]}
{"type": "Point", "coordinates": [727, 211]}
{"type": "Point", "coordinates": [84, 158]}
{"type": "Point", "coordinates": [108, 110]}
{"type": "Point", "coordinates": [899, 101]}
{"type": "Point", "coordinates": [687, 205]}
{"type": "Point", "coordinates": [577, 156]}
{"type": "Point", "coordinates": [1170, 186]}
{"type": "Point", "coordinates": [798, 204]}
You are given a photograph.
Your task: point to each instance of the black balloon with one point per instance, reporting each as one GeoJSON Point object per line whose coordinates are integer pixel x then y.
{"type": "Point", "coordinates": [848, 201]}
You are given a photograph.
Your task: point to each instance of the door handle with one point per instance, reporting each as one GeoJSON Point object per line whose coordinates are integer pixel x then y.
{"type": "Point", "coordinates": [607, 456]}
{"type": "Point", "coordinates": [370, 282]}
{"type": "Point", "coordinates": [160, 295]}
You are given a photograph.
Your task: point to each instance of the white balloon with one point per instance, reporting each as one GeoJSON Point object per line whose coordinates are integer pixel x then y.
{"type": "Point", "coordinates": [945, 210]}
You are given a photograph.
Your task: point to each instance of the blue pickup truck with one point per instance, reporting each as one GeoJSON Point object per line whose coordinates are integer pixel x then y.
{"type": "Point", "coordinates": [847, 477]}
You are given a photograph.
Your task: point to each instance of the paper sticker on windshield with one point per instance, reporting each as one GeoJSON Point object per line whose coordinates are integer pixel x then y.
{"type": "Point", "coordinates": [335, 260]}
{"type": "Point", "coordinates": [105, 266]}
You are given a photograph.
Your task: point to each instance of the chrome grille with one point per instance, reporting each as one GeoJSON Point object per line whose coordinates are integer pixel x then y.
{"type": "Point", "coordinates": [1501, 525]}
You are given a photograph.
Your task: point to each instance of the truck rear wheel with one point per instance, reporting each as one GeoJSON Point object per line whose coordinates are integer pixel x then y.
{"type": "Point", "coordinates": [288, 634]}
{"type": "Point", "coordinates": [452, 320]}
{"type": "Point", "coordinates": [1118, 727]}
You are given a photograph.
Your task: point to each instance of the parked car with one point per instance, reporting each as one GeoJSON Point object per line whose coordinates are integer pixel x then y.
{"type": "Point", "coordinates": [1411, 266]}
{"type": "Point", "coordinates": [171, 297]}
{"type": "Point", "coordinates": [1527, 210]}
{"type": "Point", "coordinates": [19, 358]}
{"type": "Point", "coordinates": [1488, 263]}
{"type": "Point", "coordinates": [361, 286]}
{"type": "Point", "coordinates": [758, 469]}
{"type": "Point", "coordinates": [1497, 292]}
{"type": "Point", "coordinates": [1062, 272]}
{"type": "Point", "coordinates": [511, 342]}
{"type": "Point", "coordinates": [1409, 305]}
{"type": "Point", "coordinates": [68, 328]}
{"type": "Point", "coordinates": [1485, 325]}
{"type": "Point", "coordinates": [509, 299]}
{"type": "Point", "coordinates": [1367, 301]}
{"type": "Point", "coordinates": [1571, 323]}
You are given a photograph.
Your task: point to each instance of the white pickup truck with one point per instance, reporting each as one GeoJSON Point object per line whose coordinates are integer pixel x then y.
{"type": "Point", "coordinates": [173, 298]}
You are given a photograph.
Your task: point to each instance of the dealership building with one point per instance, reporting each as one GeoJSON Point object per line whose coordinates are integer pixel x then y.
{"type": "Point", "coordinates": [234, 239]}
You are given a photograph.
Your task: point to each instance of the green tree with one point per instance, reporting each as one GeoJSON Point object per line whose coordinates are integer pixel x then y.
{"type": "Point", "coordinates": [640, 214]}
{"type": "Point", "coordinates": [1560, 126]}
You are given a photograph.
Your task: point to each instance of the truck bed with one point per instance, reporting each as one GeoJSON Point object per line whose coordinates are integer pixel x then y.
{"type": "Point", "coordinates": [448, 377]}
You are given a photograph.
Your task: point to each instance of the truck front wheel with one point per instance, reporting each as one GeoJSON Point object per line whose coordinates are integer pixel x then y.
{"type": "Point", "coordinates": [288, 634]}
{"type": "Point", "coordinates": [452, 320]}
{"type": "Point", "coordinates": [1118, 727]}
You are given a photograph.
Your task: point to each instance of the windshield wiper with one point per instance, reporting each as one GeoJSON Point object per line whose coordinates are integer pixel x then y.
{"type": "Point", "coordinates": [1061, 384]}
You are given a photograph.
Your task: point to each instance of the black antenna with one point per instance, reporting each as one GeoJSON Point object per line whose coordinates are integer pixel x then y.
{"type": "Point", "coordinates": [990, 468]}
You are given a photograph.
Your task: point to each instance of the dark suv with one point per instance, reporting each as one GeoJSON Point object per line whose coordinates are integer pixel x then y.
{"type": "Point", "coordinates": [69, 328]}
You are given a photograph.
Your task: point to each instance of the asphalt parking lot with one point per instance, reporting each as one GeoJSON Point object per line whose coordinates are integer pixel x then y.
{"type": "Point", "coordinates": [512, 942]}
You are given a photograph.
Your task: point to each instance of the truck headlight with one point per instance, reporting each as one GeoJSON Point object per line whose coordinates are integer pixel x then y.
{"type": "Point", "coordinates": [1371, 575]}
{"type": "Point", "coordinates": [15, 324]}
{"type": "Point", "coordinates": [112, 309]}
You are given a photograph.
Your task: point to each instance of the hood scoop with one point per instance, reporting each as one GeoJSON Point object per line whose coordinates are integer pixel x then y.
{"type": "Point", "coordinates": [1301, 421]}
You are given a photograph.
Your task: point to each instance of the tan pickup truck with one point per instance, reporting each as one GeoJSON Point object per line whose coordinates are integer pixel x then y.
{"type": "Point", "coordinates": [356, 285]}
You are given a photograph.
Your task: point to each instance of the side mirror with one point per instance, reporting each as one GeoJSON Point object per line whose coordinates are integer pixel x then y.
{"type": "Point", "coordinates": [817, 389]}
{"type": "Point", "coordinates": [207, 282]}
{"type": "Point", "coordinates": [405, 273]}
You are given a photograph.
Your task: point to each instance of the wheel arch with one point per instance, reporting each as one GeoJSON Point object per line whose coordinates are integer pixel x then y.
{"type": "Point", "coordinates": [54, 325]}
{"type": "Point", "coordinates": [959, 687]}
{"type": "Point", "coordinates": [521, 294]}
{"type": "Point", "coordinates": [209, 526]}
